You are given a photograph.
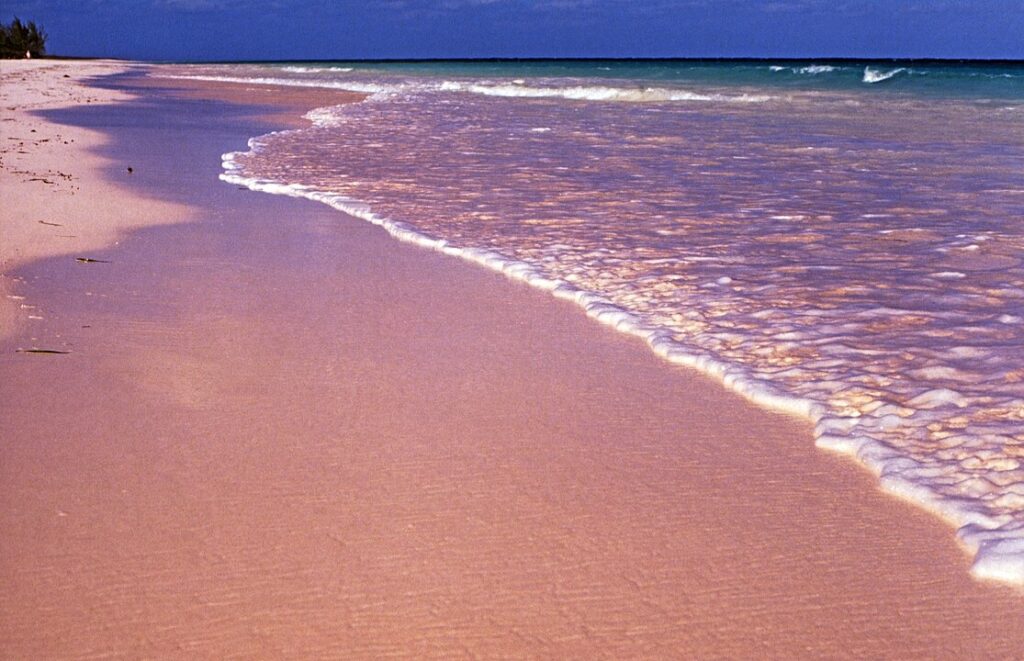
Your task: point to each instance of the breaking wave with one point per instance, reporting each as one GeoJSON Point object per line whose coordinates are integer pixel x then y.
{"type": "Point", "coordinates": [597, 93]}
{"type": "Point", "coordinates": [514, 89]}
{"type": "Point", "coordinates": [878, 76]}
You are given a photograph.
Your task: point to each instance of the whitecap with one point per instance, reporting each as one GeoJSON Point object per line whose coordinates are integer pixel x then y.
{"type": "Point", "coordinates": [877, 76]}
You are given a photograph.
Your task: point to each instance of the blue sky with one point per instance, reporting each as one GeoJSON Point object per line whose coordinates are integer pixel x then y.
{"type": "Point", "coordinates": [339, 29]}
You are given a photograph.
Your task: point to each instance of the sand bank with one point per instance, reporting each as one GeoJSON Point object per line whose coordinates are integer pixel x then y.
{"type": "Point", "coordinates": [279, 105]}
{"type": "Point", "coordinates": [280, 433]}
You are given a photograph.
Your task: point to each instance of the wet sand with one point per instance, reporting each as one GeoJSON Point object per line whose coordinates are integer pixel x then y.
{"type": "Point", "coordinates": [280, 433]}
{"type": "Point", "coordinates": [50, 207]}
{"type": "Point", "coordinates": [279, 105]}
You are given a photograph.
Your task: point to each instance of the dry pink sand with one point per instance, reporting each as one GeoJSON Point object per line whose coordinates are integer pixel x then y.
{"type": "Point", "coordinates": [282, 434]}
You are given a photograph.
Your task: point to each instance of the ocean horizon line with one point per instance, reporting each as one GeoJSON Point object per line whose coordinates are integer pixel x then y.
{"type": "Point", "coordinates": [634, 59]}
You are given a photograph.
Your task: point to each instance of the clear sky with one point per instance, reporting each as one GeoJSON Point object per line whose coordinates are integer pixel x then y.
{"type": "Point", "coordinates": [339, 29]}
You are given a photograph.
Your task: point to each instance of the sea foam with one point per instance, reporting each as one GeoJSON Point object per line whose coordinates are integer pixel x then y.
{"type": "Point", "coordinates": [835, 278]}
{"type": "Point", "coordinates": [597, 93]}
{"type": "Point", "coordinates": [809, 70]}
{"type": "Point", "coordinates": [878, 76]}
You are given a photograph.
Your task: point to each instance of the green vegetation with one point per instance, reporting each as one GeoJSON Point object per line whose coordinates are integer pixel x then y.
{"type": "Point", "coordinates": [19, 39]}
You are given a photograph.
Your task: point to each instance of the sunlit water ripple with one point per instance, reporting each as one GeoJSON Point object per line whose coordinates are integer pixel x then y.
{"type": "Point", "coordinates": [854, 257]}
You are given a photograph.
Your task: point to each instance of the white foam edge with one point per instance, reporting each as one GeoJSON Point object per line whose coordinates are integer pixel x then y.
{"type": "Point", "coordinates": [997, 546]}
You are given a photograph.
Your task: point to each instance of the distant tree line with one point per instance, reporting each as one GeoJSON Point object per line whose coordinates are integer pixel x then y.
{"type": "Point", "coordinates": [19, 39]}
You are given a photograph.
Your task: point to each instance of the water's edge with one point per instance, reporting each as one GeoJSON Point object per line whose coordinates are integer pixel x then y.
{"type": "Point", "coordinates": [998, 551]}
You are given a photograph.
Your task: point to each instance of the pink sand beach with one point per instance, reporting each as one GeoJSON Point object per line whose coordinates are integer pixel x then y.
{"type": "Point", "coordinates": [242, 425]}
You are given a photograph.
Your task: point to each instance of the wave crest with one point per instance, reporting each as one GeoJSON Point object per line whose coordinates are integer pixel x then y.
{"type": "Point", "coordinates": [877, 75]}
{"type": "Point", "coordinates": [597, 93]}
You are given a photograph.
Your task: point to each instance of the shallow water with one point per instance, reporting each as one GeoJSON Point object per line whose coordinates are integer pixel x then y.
{"type": "Point", "coordinates": [851, 250]}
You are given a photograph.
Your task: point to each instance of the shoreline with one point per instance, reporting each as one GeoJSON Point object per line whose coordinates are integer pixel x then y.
{"type": "Point", "coordinates": [995, 551]}
{"type": "Point", "coordinates": [53, 207]}
{"type": "Point", "coordinates": [438, 470]}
